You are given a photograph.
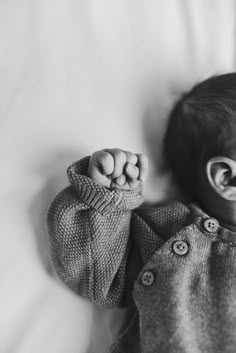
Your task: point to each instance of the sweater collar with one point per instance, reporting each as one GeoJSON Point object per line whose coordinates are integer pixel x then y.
{"type": "Point", "coordinates": [222, 233]}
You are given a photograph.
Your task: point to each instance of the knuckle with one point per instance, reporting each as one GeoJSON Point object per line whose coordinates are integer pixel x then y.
{"type": "Point", "coordinates": [132, 158]}
{"type": "Point", "coordinates": [121, 180]}
{"type": "Point", "coordinates": [104, 160]}
{"type": "Point", "coordinates": [120, 154]}
{"type": "Point", "coordinates": [135, 172]}
{"type": "Point", "coordinates": [106, 157]}
{"type": "Point", "coordinates": [132, 170]}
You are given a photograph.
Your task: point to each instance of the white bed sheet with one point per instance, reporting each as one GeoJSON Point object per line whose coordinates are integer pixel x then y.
{"type": "Point", "coordinates": [76, 76]}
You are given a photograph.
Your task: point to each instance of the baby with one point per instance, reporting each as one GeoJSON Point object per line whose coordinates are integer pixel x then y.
{"type": "Point", "coordinates": [174, 265]}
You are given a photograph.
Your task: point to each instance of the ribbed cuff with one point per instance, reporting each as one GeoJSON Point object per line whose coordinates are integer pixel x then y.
{"type": "Point", "coordinates": [98, 196]}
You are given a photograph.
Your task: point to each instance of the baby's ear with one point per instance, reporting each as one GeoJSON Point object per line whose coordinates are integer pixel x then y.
{"type": "Point", "coordinates": [221, 175]}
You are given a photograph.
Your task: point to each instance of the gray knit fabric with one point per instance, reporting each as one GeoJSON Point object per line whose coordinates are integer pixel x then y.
{"type": "Point", "coordinates": [103, 241]}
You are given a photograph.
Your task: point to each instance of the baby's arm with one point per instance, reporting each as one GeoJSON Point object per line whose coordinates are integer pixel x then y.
{"type": "Point", "coordinates": [89, 224]}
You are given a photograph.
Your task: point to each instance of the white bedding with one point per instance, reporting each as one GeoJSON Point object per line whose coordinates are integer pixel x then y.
{"type": "Point", "coordinates": [76, 76]}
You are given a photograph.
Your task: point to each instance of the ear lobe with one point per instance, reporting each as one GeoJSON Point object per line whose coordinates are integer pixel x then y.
{"type": "Point", "coordinates": [221, 175]}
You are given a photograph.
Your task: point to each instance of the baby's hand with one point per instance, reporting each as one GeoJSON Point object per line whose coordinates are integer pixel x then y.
{"type": "Point", "coordinates": [115, 168]}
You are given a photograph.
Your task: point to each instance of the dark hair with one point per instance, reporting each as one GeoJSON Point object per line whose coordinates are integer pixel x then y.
{"type": "Point", "coordinates": [201, 125]}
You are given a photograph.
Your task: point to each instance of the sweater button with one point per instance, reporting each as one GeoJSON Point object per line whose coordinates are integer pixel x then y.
{"type": "Point", "coordinates": [211, 225]}
{"type": "Point", "coordinates": [180, 247]}
{"type": "Point", "coordinates": [148, 278]}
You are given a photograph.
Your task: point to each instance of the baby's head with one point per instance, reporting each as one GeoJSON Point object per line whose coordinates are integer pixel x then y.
{"type": "Point", "coordinates": [200, 142]}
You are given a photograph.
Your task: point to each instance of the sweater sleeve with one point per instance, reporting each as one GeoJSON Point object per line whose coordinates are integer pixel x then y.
{"type": "Point", "coordinates": [89, 230]}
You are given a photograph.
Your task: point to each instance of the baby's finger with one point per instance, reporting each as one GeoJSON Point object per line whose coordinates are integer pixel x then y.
{"type": "Point", "coordinates": [143, 166]}
{"type": "Point", "coordinates": [120, 180]}
{"type": "Point", "coordinates": [131, 157]}
{"type": "Point", "coordinates": [132, 173]}
{"type": "Point", "coordinates": [104, 161]}
{"type": "Point", "coordinates": [119, 157]}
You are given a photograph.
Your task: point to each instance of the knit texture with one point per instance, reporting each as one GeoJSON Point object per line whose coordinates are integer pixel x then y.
{"type": "Point", "coordinates": [103, 242]}
{"type": "Point", "coordinates": [94, 235]}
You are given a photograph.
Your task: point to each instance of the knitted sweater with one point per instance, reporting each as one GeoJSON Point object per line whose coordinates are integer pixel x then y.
{"type": "Point", "coordinates": [172, 264]}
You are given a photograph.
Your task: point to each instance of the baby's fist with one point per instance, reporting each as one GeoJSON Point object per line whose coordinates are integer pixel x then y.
{"type": "Point", "coordinates": [115, 168]}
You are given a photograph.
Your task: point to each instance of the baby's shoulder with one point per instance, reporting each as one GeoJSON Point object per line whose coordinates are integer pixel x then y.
{"type": "Point", "coordinates": [166, 209]}
{"type": "Point", "coordinates": [166, 217]}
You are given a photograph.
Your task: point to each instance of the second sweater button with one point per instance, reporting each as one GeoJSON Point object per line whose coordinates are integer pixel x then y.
{"type": "Point", "coordinates": [211, 225]}
{"type": "Point", "coordinates": [147, 278]}
{"type": "Point", "coordinates": [180, 247]}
